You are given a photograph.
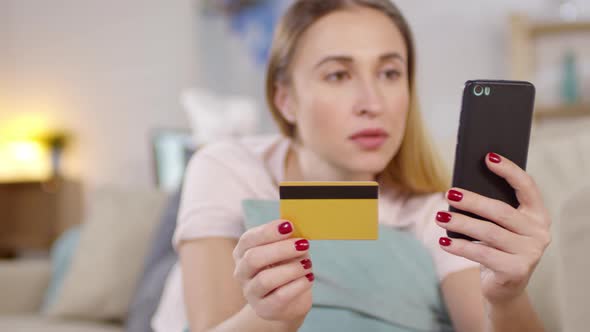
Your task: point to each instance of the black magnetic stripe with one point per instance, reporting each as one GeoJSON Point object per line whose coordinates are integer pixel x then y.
{"type": "Point", "coordinates": [329, 192]}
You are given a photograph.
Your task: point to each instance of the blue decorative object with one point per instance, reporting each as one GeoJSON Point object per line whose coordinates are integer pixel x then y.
{"type": "Point", "coordinates": [253, 22]}
{"type": "Point", "coordinates": [255, 25]}
{"type": "Point", "coordinates": [569, 84]}
{"type": "Point", "coordinates": [61, 258]}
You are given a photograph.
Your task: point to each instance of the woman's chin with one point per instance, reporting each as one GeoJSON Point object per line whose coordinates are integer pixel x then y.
{"type": "Point", "coordinates": [368, 166]}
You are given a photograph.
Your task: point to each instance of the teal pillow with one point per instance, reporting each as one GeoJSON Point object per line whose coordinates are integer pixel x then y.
{"type": "Point", "coordinates": [61, 256]}
{"type": "Point", "coordinates": [389, 284]}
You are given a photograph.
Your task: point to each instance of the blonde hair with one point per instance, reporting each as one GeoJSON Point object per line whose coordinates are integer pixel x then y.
{"type": "Point", "coordinates": [416, 168]}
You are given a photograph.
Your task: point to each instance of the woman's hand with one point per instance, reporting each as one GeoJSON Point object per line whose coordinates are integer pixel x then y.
{"type": "Point", "coordinates": [275, 272]}
{"type": "Point", "coordinates": [509, 254]}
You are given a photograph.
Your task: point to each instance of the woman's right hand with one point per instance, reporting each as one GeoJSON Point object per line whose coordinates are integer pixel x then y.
{"type": "Point", "coordinates": [274, 271]}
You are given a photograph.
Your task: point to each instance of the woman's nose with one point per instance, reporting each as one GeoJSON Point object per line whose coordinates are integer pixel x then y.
{"type": "Point", "coordinates": [369, 101]}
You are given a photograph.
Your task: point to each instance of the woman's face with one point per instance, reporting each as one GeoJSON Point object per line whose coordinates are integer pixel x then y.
{"type": "Point", "coordinates": [349, 92]}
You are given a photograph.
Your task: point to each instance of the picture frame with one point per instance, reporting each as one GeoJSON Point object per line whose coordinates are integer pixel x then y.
{"type": "Point", "coordinates": [171, 151]}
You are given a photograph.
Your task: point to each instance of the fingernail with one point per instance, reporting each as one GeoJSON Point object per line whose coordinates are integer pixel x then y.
{"type": "Point", "coordinates": [306, 264]}
{"type": "Point", "coordinates": [302, 245]}
{"type": "Point", "coordinates": [444, 241]}
{"type": "Point", "coordinates": [454, 195]}
{"type": "Point", "coordinates": [285, 228]}
{"type": "Point", "coordinates": [310, 277]}
{"type": "Point", "coordinates": [494, 158]}
{"type": "Point", "coordinates": [443, 216]}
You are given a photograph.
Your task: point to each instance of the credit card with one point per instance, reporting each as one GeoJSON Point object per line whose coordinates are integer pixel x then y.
{"type": "Point", "coordinates": [342, 210]}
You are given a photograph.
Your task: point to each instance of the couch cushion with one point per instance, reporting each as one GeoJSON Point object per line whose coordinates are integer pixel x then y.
{"type": "Point", "coordinates": [575, 271]}
{"type": "Point", "coordinates": [34, 323]}
{"type": "Point", "coordinates": [113, 244]}
{"type": "Point", "coordinates": [557, 162]}
{"type": "Point", "coordinates": [22, 285]}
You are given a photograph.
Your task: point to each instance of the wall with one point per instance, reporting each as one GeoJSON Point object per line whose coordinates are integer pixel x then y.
{"type": "Point", "coordinates": [109, 71]}
{"type": "Point", "coordinates": [112, 70]}
{"type": "Point", "coordinates": [455, 43]}
{"type": "Point", "coordinates": [4, 55]}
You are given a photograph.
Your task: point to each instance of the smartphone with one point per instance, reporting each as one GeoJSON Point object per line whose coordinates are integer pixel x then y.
{"type": "Point", "coordinates": [496, 116]}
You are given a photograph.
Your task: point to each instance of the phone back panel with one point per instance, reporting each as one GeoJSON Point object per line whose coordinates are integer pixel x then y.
{"type": "Point", "coordinates": [498, 122]}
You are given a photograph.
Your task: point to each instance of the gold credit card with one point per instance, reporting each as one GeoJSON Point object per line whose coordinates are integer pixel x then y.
{"type": "Point", "coordinates": [343, 210]}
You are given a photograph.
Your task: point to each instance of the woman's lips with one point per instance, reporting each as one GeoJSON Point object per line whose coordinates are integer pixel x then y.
{"type": "Point", "coordinates": [370, 139]}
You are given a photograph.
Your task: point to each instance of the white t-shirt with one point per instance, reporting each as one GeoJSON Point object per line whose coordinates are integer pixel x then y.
{"type": "Point", "coordinates": [221, 175]}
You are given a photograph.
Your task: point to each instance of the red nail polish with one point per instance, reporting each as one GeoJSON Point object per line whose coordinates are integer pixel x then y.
{"type": "Point", "coordinates": [443, 216]}
{"type": "Point", "coordinates": [302, 245]}
{"type": "Point", "coordinates": [454, 195]}
{"type": "Point", "coordinates": [310, 277]}
{"type": "Point", "coordinates": [285, 228]}
{"type": "Point", "coordinates": [306, 264]}
{"type": "Point", "coordinates": [444, 241]}
{"type": "Point", "coordinates": [494, 158]}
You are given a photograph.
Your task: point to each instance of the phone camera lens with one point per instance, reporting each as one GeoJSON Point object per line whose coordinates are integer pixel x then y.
{"type": "Point", "coordinates": [478, 90]}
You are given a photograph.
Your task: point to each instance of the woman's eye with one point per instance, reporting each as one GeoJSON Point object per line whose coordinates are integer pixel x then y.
{"type": "Point", "coordinates": [391, 74]}
{"type": "Point", "coordinates": [338, 76]}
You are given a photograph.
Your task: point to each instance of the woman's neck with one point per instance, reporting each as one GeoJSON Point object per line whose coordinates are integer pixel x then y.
{"type": "Point", "coordinates": [303, 165]}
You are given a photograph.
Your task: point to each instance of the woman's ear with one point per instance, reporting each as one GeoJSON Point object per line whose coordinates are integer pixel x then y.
{"type": "Point", "coordinates": [284, 102]}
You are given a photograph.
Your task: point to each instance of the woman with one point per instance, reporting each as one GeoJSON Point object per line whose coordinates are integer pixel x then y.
{"type": "Point", "coordinates": [340, 84]}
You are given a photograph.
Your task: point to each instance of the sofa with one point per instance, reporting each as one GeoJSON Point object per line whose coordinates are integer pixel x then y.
{"type": "Point", "coordinates": [559, 160]}
{"type": "Point", "coordinates": [113, 287]}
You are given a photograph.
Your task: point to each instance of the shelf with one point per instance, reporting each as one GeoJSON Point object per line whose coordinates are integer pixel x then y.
{"type": "Point", "coordinates": [538, 29]}
{"type": "Point", "coordinates": [523, 34]}
{"type": "Point", "coordinates": [544, 112]}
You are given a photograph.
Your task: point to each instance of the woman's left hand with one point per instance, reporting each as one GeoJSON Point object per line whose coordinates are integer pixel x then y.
{"type": "Point", "coordinates": [509, 251]}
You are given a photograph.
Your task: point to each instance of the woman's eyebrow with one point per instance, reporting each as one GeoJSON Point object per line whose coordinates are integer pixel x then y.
{"type": "Point", "coordinates": [392, 56]}
{"type": "Point", "coordinates": [337, 58]}
{"type": "Point", "coordinates": [349, 59]}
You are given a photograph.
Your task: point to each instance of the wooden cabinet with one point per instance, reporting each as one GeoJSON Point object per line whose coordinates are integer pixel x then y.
{"type": "Point", "coordinates": [34, 214]}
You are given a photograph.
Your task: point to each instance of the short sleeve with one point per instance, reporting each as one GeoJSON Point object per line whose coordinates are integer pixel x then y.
{"type": "Point", "coordinates": [445, 263]}
{"type": "Point", "coordinates": [211, 197]}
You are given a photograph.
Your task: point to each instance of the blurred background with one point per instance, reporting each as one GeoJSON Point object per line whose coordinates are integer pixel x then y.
{"type": "Point", "coordinates": [103, 102]}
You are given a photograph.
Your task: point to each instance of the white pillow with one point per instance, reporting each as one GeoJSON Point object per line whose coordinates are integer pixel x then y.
{"type": "Point", "coordinates": [214, 117]}
{"type": "Point", "coordinates": [107, 264]}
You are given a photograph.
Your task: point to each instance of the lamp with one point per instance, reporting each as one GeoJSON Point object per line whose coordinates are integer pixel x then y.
{"type": "Point", "coordinates": [31, 158]}
{"type": "Point", "coordinates": [24, 160]}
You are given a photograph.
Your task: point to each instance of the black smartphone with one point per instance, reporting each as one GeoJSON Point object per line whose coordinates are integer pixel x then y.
{"type": "Point", "coordinates": [496, 116]}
